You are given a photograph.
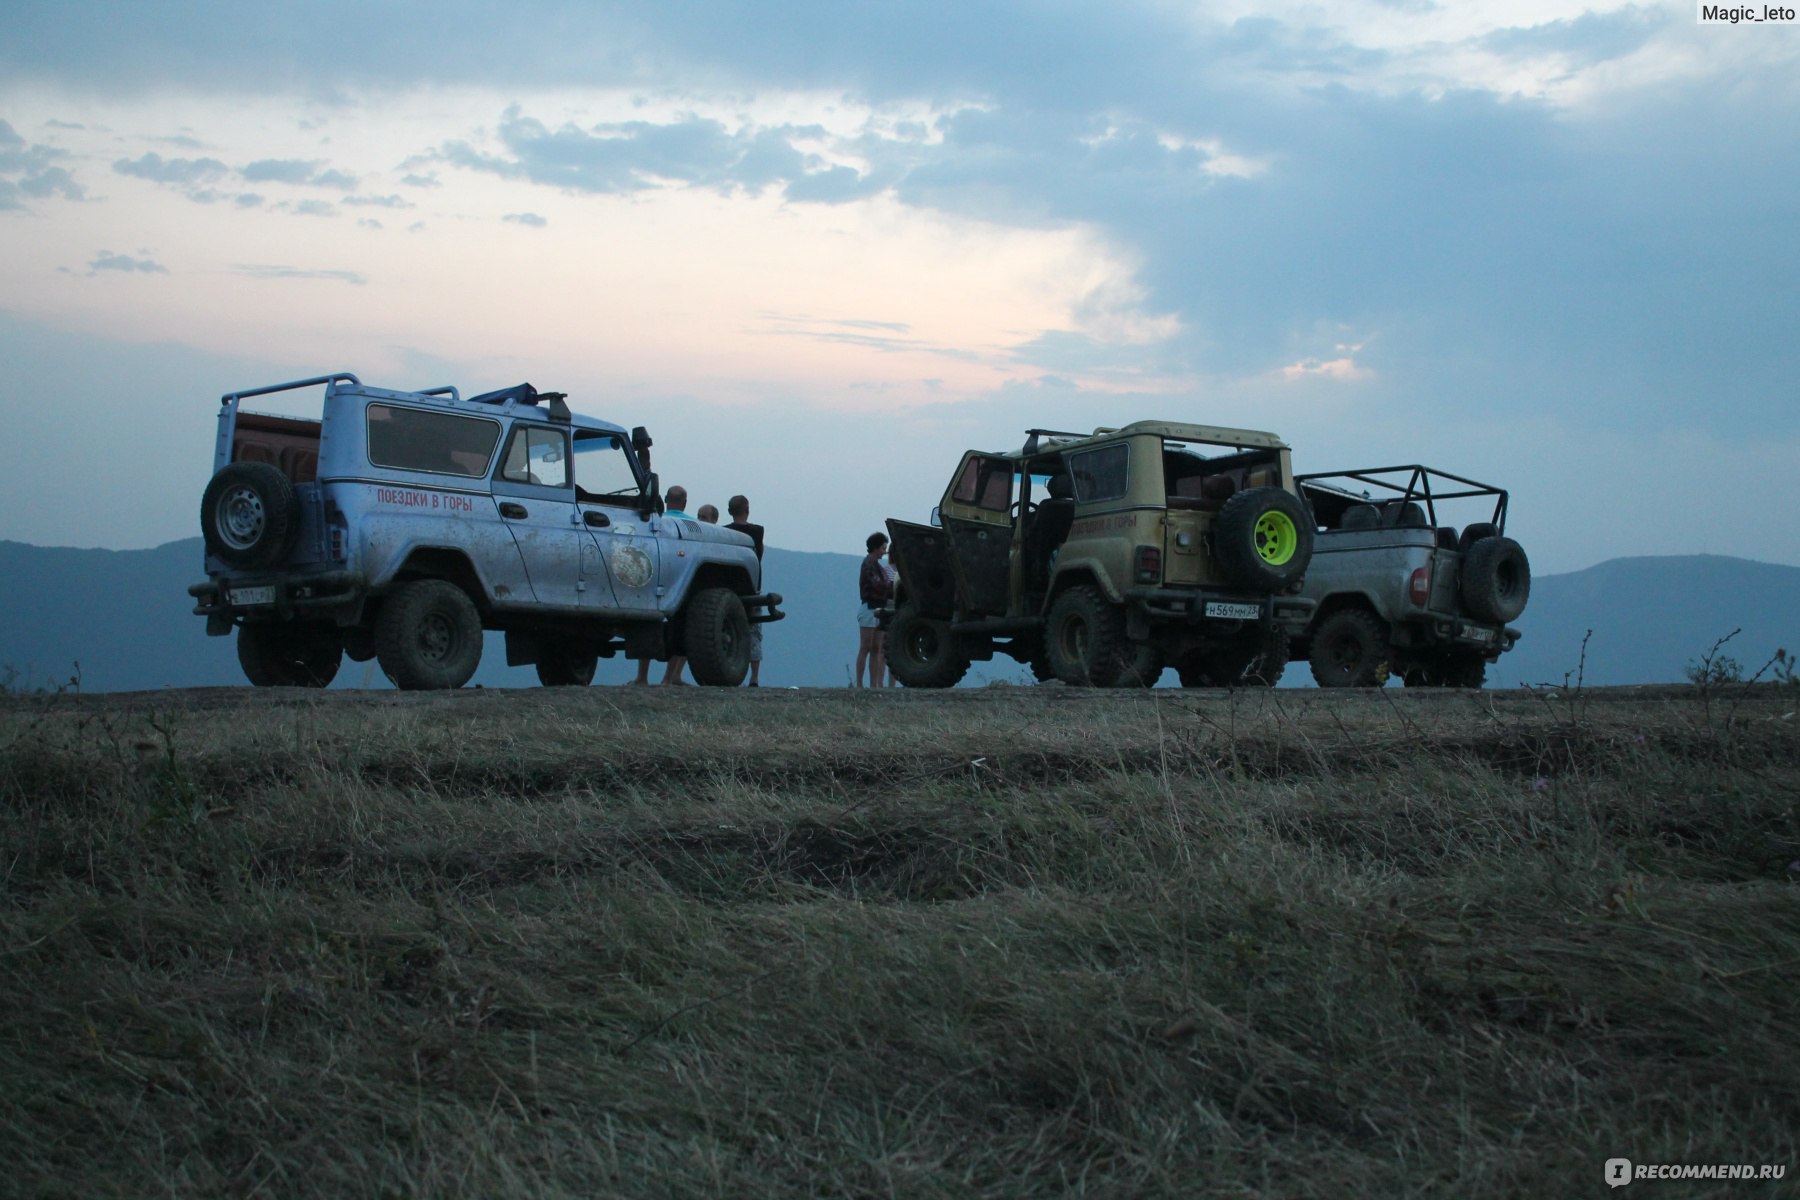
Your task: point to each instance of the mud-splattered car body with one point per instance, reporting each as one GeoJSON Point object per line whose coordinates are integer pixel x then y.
{"type": "Point", "coordinates": [385, 527]}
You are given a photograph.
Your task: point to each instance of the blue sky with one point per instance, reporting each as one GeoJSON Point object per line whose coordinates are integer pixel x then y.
{"type": "Point", "coordinates": [819, 248]}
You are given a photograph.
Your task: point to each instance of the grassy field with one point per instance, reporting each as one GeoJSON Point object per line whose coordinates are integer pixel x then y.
{"type": "Point", "coordinates": [1005, 942]}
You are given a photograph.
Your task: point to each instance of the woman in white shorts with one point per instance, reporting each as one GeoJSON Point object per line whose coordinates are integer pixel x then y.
{"type": "Point", "coordinates": [874, 588]}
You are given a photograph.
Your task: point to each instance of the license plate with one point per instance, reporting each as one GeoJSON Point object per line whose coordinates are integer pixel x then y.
{"type": "Point", "coordinates": [245, 597]}
{"type": "Point", "coordinates": [1475, 633]}
{"type": "Point", "coordinates": [1240, 612]}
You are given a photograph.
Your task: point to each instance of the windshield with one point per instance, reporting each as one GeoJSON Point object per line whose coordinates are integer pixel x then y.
{"type": "Point", "coordinates": [603, 468]}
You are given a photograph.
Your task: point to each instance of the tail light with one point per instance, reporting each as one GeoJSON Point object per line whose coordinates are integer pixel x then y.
{"type": "Point", "coordinates": [1418, 588]}
{"type": "Point", "coordinates": [1149, 564]}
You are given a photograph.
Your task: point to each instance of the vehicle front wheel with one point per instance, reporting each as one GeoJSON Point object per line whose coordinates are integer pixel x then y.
{"type": "Point", "coordinates": [428, 636]}
{"type": "Point", "coordinates": [1350, 649]}
{"type": "Point", "coordinates": [290, 654]}
{"type": "Point", "coordinates": [717, 634]}
{"type": "Point", "coordinates": [565, 666]}
{"type": "Point", "coordinates": [1086, 638]}
{"type": "Point", "coordinates": [922, 652]}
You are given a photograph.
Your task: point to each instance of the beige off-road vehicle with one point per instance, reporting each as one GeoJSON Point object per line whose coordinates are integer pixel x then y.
{"type": "Point", "coordinates": [1101, 558]}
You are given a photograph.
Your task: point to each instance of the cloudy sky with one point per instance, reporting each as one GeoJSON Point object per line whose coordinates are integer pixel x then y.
{"type": "Point", "coordinates": [820, 247]}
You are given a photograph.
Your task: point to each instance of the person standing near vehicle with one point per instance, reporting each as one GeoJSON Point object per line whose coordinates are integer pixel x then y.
{"type": "Point", "coordinates": [674, 501]}
{"type": "Point", "coordinates": [738, 508]}
{"type": "Point", "coordinates": [893, 576]}
{"type": "Point", "coordinates": [874, 588]}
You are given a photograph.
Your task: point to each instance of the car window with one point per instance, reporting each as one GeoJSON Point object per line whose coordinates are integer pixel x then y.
{"type": "Point", "coordinates": [1100, 474]}
{"type": "Point", "coordinates": [537, 454]}
{"type": "Point", "coordinates": [985, 483]}
{"type": "Point", "coordinates": [603, 468]}
{"type": "Point", "coordinates": [414, 439]}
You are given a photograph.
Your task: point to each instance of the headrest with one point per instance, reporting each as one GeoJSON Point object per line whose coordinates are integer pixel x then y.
{"type": "Point", "coordinates": [1218, 487]}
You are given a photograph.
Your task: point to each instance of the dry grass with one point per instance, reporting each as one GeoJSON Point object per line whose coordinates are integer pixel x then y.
{"type": "Point", "coordinates": [1018, 941]}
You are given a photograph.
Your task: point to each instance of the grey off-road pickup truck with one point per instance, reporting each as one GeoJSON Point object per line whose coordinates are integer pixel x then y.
{"type": "Point", "coordinates": [1399, 591]}
{"type": "Point", "coordinates": [399, 525]}
{"type": "Point", "coordinates": [1101, 558]}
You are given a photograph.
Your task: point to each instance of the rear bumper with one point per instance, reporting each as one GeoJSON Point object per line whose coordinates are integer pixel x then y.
{"type": "Point", "coordinates": [1190, 606]}
{"type": "Point", "coordinates": [1460, 633]}
{"type": "Point", "coordinates": [225, 603]}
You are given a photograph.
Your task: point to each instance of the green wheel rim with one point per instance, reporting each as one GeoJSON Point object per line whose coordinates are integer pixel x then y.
{"type": "Point", "coordinates": [1276, 538]}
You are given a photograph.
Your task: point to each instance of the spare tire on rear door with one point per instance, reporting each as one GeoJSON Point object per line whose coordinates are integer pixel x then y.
{"type": "Point", "coordinates": [1263, 539]}
{"type": "Point", "coordinates": [1496, 579]}
{"type": "Point", "coordinates": [249, 515]}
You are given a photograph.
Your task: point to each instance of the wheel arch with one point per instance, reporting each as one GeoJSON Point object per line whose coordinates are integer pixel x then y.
{"type": "Point", "coordinates": [450, 565]}
{"type": "Point", "coordinates": [1301, 643]}
{"type": "Point", "coordinates": [1077, 573]}
{"type": "Point", "coordinates": [731, 576]}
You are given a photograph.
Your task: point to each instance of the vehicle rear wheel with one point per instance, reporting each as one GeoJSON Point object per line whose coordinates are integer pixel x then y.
{"type": "Point", "coordinates": [566, 666]}
{"type": "Point", "coordinates": [1143, 666]}
{"type": "Point", "coordinates": [717, 633]}
{"type": "Point", "coordinates": [922, 652]}
{"type": "Point", "coordinates": [289, 654]}
{"type": "Point", "coordinates": [1449, 670]}
{"type": "Point", "coordinates": [1263, 539]}
{"type": "Point", "coordinates": [1271, 660]}
{"type": "Point", "coordinates": [1496, 579]}
{"type": "Point", "coordinates": [1471, 672]}
{"type": "Point", "coordinates": [1041, 669]}
{"type": "Point", "coordinates": [249, 515]}
{"type": "Point", "coordinates": [1350, 649]}
{"type": "Point", "coordinates": [1257, 661]}
{"type": "Point", "coordinates": [428, 636]}
{"type": "Point", "coordinates": [1086, 638]}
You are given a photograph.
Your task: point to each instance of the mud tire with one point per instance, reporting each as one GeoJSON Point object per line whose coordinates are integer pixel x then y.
{"type": "Point", "coordinates": [288, 654]}
{"type": "Point", "coordinates": [565, 666]}
{"type": "Point", "coordinates": [1086, 638]}
{"type": "Point", "coordinates": [717, 636]}
{"type": "Point", "coordinates": [1350, 649]}
{"type": "Point", "coordinates": [922, 652]}
{"type": "Point", "coordinates": [1449, 671]}
{"type": "Point", "coordinates": [1496, 580]}
{"type": "Point", "coordinates": [249, 515]}
{"type": "Point", "coordinates": [428, 636]}
{"type": "Point", "coordinates": [1263, 539]}
{"type": "Point", "coordinates": [1259, 663]}
{"type": "Point", "coordinates": [1142, 667]}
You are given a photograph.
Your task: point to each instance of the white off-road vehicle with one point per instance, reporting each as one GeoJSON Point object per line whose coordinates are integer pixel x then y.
{"type": "Point", "coordinates": [399, 525]}
{"type": "Point", "coordinates": [1400, 590]}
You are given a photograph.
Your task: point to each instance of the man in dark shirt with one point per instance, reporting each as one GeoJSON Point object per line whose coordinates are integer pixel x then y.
{"type": "Point", "coordinates": [738, 507]}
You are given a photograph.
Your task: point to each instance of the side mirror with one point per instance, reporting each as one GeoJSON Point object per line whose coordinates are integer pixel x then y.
{"type": "Point", "coordinates": [937, 516]}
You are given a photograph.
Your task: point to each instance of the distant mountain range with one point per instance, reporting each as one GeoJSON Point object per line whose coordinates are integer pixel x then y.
{"type": "Point", "coordinates": [122, 620]}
